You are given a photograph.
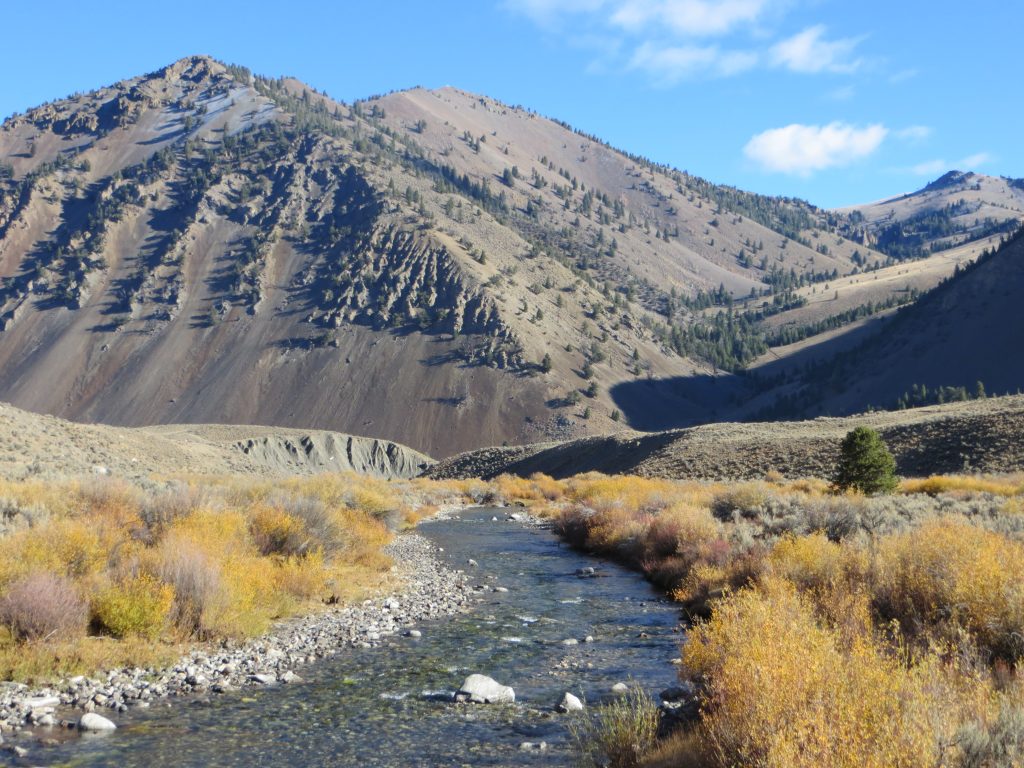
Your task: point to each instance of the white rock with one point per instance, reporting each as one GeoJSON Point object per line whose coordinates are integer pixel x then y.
{"type": "Point", "coordinates": [620, 688]}
{"type": "Point", "coordinates": [42, 702]}
{"type": "Point", "coordinates": [414, 633]}
{"type": "Point", "coordinates": [481, 689]}
{"type": "Point", "coordinates": [569, 703]}
{"type": "Point", "coordinates": [263, 679]}
{"type": "Point", "coordinates": [570, 641]}
{"type": "Point", "coordinates": [93, 722]}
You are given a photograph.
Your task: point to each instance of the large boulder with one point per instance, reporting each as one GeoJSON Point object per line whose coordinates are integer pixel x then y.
{"type": "Point", "coordinates": [481, 689]}
{"type": "Point", "coordinates": [92, 722]}
{"type": "Point", "coordinates": [569, 703]}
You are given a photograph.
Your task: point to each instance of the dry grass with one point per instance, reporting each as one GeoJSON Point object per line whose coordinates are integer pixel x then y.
{"type": "Point", "coordinates": [619, 734]}
{"type": "Point", "coordinates": [200, 558]}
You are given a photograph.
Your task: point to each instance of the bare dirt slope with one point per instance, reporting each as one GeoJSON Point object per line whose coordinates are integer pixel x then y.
{"type": "Point", "coordinates": [45, 446]}
{"type": "Point", "coordinates": [986, 435]}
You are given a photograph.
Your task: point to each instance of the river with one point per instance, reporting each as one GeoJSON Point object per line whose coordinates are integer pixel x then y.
{"type": "Point", "coordinates": [391, 705]}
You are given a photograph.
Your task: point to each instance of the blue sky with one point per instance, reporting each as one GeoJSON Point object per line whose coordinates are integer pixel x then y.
{"type": "Point", "coordinates": [836, 102]}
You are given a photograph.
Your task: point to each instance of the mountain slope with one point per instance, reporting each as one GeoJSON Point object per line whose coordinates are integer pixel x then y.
{"type": "Point", "coordinates": [967, 330]}
{"type": "Point", "coordinates": [202, 245]}
{"type": "Point", "coordinates": [431, 267]}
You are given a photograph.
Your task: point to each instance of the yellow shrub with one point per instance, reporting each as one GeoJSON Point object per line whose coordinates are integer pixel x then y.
{"type": "Point", "coordinates": [67, 547]}
{"type": "Point", "coordinates": [276, 532]}
{"type": "Point", "coordinates": [638, 494]}
{"type": "Point", "coordinates": [950, 573]}
{"type": "Point", "coordinates": [513, 488]}
{"type": "Point", "coordinates": [137, 607]}
{"type": "Point", "coordinates": [781, 691]}
{"type": "Point", "coordinates": [681, 529]}
{"type": "Point", "coordinates": [937, 484]}
{"type": "Point", "coordinates": [814, 562]}
{"type": "Point", "coordinates": [547, 486]}
{"type": "Point", "coordinates": [301, 577]}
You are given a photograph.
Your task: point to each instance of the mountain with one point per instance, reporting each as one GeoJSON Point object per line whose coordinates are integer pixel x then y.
{"type": "Point", "coordinates": [432, 267]}
{"type": "Point", "coordinates": [958, 211]}
{"type": "Point", "coordinates": [967, 330]}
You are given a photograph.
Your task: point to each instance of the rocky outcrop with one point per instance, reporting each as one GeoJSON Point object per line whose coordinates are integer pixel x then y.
{"type": "Point", "coordinates": [332, 452]}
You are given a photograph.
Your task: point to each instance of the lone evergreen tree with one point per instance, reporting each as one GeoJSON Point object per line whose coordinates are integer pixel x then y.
{"type": "Point", "coordinates": [865, 464]}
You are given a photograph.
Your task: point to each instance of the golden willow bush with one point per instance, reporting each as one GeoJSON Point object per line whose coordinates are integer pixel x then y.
{"type": "Point", "coordinates": [100, 573]}
{"type": "Point", "coordinates": [837, 630]}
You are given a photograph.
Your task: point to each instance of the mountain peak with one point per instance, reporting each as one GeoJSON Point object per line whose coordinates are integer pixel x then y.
{"type": "Point", "coordinates": [951, 179]}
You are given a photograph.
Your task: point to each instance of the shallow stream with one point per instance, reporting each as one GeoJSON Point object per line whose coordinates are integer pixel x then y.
{"type": "Point", "coordinates": [391, 705]}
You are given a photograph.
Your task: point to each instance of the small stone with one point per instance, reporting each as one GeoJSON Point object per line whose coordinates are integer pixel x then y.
{"type": "Point", "coordinates": [570, 641]}
{"type": "Point", "coordinates": [500, 589]}
{"type": "Point", "coordinates": [472, 562]}
{"type": "Point", "coordinates": [289, 677]}
{"type": "Point", "coordinates": [620, 688]}
{"type": "Point", "coordinates": [588, 639]}
{"type": "Point", "coordinates": [17, 751]}
{"type": "Point", "coordinates": [413, 633]}
{"type": "Point", "coordinates": [263, 679]}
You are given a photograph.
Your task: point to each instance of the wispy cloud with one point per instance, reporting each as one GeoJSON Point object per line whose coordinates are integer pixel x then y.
{"type": "Point", "coordinates": [809, 52]}
{"type": "Point", "coordinates": [914, 133]}
{"type": "Point", "coordinates": [902, 76]}
{"type": "Point", "coordinates": [938, 166]}
{"type": "Point", "coordinates": [689, 18]}
{"type": "Point", "coordinates": [672, 40]}
{"type": "Point", "coordinates": [929, 168]}
{"type": "Point", "coordinates": [804, 149]}
{"type": "Point", "coordinates": [670, 64]}
{"type": "Point", "coordinates": [547, 11]}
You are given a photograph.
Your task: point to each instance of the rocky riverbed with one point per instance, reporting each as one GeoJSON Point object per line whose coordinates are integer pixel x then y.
{"type": "Point", "coordinates": [430, 590]}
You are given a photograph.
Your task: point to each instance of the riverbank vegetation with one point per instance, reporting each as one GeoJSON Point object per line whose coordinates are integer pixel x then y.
{"type": "Point", "coordinates": [828, 628]}
{"type": "Point", "coordinates": [99, 573]}
{"type": "Point", "coordinates": [843, 630]}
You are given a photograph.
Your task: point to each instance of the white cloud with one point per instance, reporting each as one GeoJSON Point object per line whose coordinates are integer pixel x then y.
{"type": "Point", "coordinates": [929, 168]}
{"type": "Point", "coordinates": [688, 18]}
{"type": "Point", "coordinates": [803, 149]}
{"type": "Point", "coordinates": [971, 162]}
{"type": "Point", "coordinates": [902, 76]}
{"type": "Point", "coordinates": [672, 40]}
{"type": "Point", "coordinates": [546, 11]}
{"type": "Point", "coordinates": [670, 64]}
{"type": "Point", "coordinates": [809, 52]}
{"type": "Point", "coordinates": [914, 133]}
{"type": "Point", "coordinates": [940, 166]}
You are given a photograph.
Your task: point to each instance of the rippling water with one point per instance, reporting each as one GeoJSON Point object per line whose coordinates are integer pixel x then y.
{"type": "Point", "coordinates": [384, 706]}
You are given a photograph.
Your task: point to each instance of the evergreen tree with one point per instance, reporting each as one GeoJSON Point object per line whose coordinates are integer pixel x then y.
{"type": "Point", "coordinates": [865, 464]}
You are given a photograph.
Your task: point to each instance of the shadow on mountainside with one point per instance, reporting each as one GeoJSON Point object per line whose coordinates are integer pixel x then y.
{"type": "Point", "coordinates": [653, 405]}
